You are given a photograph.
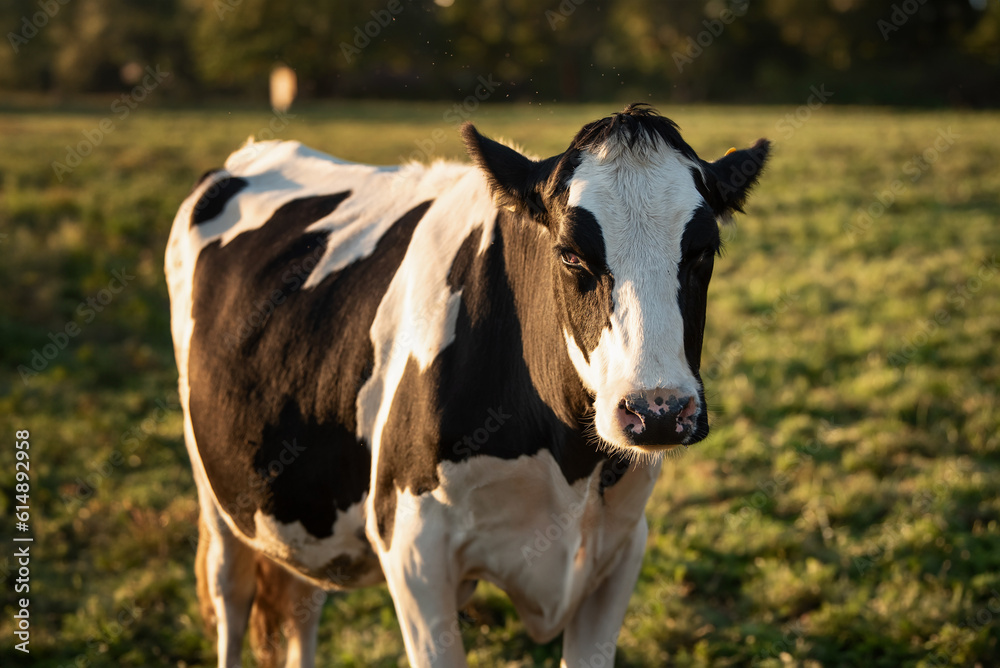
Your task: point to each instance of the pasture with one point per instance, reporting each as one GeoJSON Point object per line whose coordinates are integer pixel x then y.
{"type": "Point", "coordinates": [844, 511]}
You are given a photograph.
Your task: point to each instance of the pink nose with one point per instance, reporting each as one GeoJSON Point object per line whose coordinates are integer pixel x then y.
{"type": "Point", "coordinates": [658, 417]}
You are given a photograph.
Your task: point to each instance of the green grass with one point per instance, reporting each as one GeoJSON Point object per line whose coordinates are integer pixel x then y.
{"type": "Point", "coordinates": [844, 511]}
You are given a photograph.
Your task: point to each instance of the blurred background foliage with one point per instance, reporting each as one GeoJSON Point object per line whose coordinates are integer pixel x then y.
{"type": "Point", "coordinates": [844, 511]}
{"type": "Point", "coordinates": [922, 52]}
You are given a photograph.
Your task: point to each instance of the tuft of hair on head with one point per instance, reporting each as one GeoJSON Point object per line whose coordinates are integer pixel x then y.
{"type": "Point", "coordinates": [636, 129]}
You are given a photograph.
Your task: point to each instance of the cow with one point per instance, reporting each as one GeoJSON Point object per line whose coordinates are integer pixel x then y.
{"type": "Point", "coordinates": [432, 375]}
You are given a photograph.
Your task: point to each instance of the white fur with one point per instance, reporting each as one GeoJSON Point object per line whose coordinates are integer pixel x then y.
{"type": "Point", "coordinates": [292, 545]}
{"type": "Point", "coordinates": [549, 545]}
{"type": "Point", "coordinates": [417, 316]}
{"type": "Point", "coordinates": [459, 532]}
{"type": "Point", "coordinates": [642, 200]}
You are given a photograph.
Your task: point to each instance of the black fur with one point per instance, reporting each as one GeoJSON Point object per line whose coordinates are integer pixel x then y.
{"type": "Point", "coordinates": [517, 182]}
{"type": "Point", "coordinates": [537, 190]}
{"type": "Point", "coordinates": [699, 246]}
{"type": "Point", "coordinates": [636, 122]}
{"type": "Point", "coordinates": [729, 180]}
{"type": "Point", "coordinates": [214, 199]}
{"type": "Point", "coordinates": [523, 185]}
{"type": "Point", "coordinates": [273, 406]}
{"type": "Point", "coordinates": [504, 388]}
{"type": "Point", "coordinates": [295, 377]}
{"type": "Point", "coordinates": [583, 293]}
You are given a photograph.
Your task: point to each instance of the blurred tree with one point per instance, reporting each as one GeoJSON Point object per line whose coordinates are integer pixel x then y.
{"type": "Point", "coordinates": [24, 56]}
{"type": "Point", "coordinates": [874, 51]}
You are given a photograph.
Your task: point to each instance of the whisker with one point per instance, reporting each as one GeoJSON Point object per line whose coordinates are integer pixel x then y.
{"type": "Point", "coordinates": [633, 457]}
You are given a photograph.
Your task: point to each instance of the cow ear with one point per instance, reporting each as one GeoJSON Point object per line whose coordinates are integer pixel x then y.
{"type": "Point", "coordinates": [515, 180]}
{"type": "Point", "coordinates": [729, 180]}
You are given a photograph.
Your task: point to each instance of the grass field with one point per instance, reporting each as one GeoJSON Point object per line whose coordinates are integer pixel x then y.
{"type": "Point", "coordinates": [843, 513]}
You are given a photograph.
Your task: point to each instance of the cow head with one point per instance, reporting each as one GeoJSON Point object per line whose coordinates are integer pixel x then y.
{"type": "Point", "coordinates": [631, 213]}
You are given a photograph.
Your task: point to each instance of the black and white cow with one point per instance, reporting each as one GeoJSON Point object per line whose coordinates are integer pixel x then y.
{"type": "Point", "coordinates": [415, 373]}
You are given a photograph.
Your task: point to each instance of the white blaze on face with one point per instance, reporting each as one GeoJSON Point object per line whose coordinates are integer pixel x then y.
{"type": "Point", "coordinates": [642, 200]}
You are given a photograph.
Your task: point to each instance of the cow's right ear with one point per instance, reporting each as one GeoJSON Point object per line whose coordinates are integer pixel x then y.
{"type": "Point", "coordinates": [515, 180]}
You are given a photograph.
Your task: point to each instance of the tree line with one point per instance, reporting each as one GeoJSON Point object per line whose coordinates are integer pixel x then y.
{"type": "Point", "coordinates": [924, 52]}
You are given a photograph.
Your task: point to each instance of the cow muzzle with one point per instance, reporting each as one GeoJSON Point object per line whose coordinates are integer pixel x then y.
{"type": "Point", "coordinates": [658, 418]}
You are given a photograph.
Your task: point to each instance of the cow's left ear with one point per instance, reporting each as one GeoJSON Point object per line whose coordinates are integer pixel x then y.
{"type": "Point", "coordinates": [515, 180]}
{"type": "Point", "coordinates": [729, 180]}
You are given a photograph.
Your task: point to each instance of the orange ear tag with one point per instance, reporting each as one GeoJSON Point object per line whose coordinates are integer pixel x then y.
{"type": "Point", "coordinates": [732, 150]}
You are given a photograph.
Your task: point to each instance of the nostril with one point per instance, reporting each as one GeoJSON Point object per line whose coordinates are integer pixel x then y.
{"type": "Point", "coordinates": [636, 404]}
{"type": "Point", "coordinates": [690, 409]}
{"type": "Point", "coordinates": [684, 420]}
{"type": "Point", "coordinates": [629, 420]}
{"type": "Point", "coordinates": [627, 406]}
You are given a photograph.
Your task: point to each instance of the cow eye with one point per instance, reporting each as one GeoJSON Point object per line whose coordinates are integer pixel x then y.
{"type": "Point", "coordinates": [571, 259]}
{"type": "Point", "coordinates": [704, 256]}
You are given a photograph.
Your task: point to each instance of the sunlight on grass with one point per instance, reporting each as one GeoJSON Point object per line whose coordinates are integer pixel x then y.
{"type": "Point", "coordinates": [844, 511]}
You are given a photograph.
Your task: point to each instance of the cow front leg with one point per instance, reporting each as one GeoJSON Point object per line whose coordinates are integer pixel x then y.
{"type": "Point", "coordinates": [591, 637]}
{"type": "Point", "coordinates": [425, 594]}
{"type": "Point", "coordinates": [426, 608]}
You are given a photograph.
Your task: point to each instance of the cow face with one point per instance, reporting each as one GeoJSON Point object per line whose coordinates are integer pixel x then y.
{"type": "Point", "coordinates": [631, 212]}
